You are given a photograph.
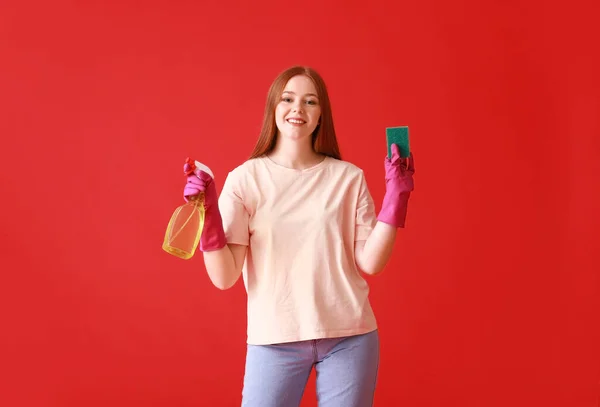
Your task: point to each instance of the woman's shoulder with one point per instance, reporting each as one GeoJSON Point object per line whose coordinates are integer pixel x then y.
{"type": "Point", "coordinates": [257, 166]}
{"type": "Point", "coordinates": [249, 166]}
{"type": "Point", "coordinates": [346, 167]}
{"type": "Point", "coordinates": [248, 169]}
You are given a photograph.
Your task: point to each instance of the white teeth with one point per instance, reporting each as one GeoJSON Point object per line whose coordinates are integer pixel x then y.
{"type": "Point", "coordinates": [295, 121]}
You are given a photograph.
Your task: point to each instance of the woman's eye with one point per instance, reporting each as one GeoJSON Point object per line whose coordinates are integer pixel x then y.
{"type": "Point", "coordinates": [286, 99]}
{"type": "Point", "coordinates": [311, 102]}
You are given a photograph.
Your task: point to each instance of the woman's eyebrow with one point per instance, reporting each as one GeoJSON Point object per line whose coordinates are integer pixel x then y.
{"type": "Point", "coordinates": [308, 94]}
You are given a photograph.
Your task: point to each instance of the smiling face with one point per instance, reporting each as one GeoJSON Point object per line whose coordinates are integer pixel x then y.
{"type": "Point", "coordinates": [297, 113]}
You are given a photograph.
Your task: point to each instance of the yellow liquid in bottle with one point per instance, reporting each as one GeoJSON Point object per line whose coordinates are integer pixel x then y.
{"type": "Point", "coordinates": [185, 228]}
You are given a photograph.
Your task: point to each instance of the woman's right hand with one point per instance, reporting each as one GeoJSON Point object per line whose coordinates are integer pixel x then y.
{"type": "Point", "coordinates": [198, 181]}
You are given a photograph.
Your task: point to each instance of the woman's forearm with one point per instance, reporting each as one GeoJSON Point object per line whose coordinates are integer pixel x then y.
{"type": "Point", "coordinates": [373, 255]}
{"type": "Point", "coordinates": [224, 266]}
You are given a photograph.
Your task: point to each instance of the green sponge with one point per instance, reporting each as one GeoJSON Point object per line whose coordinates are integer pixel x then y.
{"type": "Point", "coordinates": [399, 136]}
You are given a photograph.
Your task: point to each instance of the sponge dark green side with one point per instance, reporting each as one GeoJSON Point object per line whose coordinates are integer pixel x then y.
{"type": "Point", "coordinates": [399, 136]}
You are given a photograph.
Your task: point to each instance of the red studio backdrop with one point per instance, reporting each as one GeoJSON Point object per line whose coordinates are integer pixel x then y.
{"type": "Point", "coordinates": [491, 297]}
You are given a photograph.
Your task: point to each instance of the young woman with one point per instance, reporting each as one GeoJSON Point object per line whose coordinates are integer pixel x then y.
{"type": "Point", "coordinates": [299, 225]}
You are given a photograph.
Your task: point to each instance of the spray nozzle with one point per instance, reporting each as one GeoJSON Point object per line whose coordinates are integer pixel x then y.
{"type": "Point", "coordinates": [193, 166]}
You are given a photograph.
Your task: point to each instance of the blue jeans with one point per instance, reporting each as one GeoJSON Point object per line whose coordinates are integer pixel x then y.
{"type": "Point", "coordinates": [346, 372]}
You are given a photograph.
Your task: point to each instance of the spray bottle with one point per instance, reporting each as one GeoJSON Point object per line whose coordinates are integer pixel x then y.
{"type": "Point", "coordinates": [185, 227]}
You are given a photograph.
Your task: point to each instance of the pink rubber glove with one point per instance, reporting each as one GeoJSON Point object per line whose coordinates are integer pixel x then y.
{"type": "Point", "coordinates": [213, 235]}
{"type": "Point", "coordinates": [398, 186]}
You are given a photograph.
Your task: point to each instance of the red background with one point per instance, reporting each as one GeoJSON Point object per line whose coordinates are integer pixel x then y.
{"type": "Point", "coordinates": [491, 298]}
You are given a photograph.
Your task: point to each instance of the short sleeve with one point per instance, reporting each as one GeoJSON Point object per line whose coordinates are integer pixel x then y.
{"type": "Point", "coordinates": [233, 211]}
{"type": "Point", "coordinates": [365, 212]}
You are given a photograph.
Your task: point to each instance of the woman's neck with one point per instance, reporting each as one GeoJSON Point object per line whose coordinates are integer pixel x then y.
{"type": "Point", "coordinates": [294, 155]}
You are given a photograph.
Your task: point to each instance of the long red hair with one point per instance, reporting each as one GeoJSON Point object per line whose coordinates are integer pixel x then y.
{"type": "Point", "coordinates": [324, 139]}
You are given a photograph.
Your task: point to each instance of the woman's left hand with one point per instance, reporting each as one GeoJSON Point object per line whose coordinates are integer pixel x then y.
{"type": "Point", "coordinates": [399, 184]}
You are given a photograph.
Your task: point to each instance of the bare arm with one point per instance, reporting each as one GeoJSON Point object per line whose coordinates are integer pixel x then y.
{"type": "Point", "coordinates": [373, 254]}
{"type": "Point", "coordinates": [224, 266]}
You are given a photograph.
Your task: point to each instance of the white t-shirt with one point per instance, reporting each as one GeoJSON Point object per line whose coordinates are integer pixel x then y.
{"type": "Point", "coordinates": [300, 227]}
